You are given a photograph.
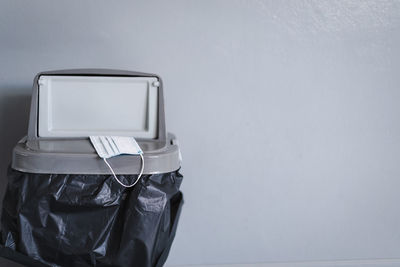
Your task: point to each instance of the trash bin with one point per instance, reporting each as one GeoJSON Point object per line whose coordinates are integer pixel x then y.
{"type": "Point", "coordinates": [63, 206]}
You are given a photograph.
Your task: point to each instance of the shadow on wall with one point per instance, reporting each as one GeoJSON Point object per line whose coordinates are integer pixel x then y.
{"type": "Point", "coordinates": [14, 116]}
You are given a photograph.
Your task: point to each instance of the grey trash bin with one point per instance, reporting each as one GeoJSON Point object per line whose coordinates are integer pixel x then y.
{"type": "Point", "coordinates": [62, 205]}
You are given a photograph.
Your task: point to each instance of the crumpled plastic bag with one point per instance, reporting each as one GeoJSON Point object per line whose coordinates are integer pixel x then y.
{"type": "Point", "coordinates": [89, 220]}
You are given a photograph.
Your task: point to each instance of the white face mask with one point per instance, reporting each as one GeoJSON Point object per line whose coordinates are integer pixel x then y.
{"type": "Point", "coordinates": [111, 146]}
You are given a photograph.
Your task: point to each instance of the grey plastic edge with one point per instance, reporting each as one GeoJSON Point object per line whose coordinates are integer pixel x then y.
{"type": "Point", "coordinates": [33, 117]}
{"type": "Point", "coordinates": [163, 160]}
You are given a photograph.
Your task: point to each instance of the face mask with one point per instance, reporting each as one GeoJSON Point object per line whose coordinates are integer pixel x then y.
{"type": "Point", "coordinates": [111, 146]}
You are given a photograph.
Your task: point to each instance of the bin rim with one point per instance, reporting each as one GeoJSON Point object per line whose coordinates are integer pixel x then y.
{"type": "Point", "coordinates": [48, 157]}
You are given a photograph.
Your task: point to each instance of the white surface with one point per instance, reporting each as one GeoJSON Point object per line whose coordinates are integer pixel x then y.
{"type": "Point", "coordinates": [342, 263]}
{"type": "Point", "coordinates": [72, 106]}
{"type": "Point", "coordinates": [308, 89]}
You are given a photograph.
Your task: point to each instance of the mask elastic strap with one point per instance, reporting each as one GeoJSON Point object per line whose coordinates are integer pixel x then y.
{"type": "Point", "coordinates": [115, 176]}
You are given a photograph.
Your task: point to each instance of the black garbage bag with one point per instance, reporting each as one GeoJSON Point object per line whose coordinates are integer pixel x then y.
{"type": "Point", "coordinates": [89, 220]}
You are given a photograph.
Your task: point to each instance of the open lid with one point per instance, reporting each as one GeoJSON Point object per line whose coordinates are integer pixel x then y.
{"type": "Point", "coordinates": [68, 106]}
{"type": "Point", "coordinates": [85, 102]}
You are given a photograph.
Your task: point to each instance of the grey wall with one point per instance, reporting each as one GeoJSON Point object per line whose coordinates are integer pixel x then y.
{"type": "Point", "coordinates": [287, 113]}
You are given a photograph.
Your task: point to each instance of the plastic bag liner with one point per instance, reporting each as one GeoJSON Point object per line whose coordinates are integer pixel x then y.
{"type": "Point", "coordinates": [89, 220]}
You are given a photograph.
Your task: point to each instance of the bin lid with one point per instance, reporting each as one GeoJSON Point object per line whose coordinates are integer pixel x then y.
{"type": "Point", "coordinates": [68, 106]}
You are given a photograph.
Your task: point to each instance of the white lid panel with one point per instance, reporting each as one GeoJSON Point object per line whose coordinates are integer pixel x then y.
{"type": "Point", "coordinates": [80, 106]}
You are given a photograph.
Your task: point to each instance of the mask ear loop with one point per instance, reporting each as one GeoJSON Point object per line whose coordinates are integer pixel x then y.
{"type": "Point", "coordinates": [115, 176]}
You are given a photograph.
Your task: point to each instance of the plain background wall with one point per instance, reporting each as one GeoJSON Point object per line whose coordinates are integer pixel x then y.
{"type": "Point", "coordinates": [287, 113]}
